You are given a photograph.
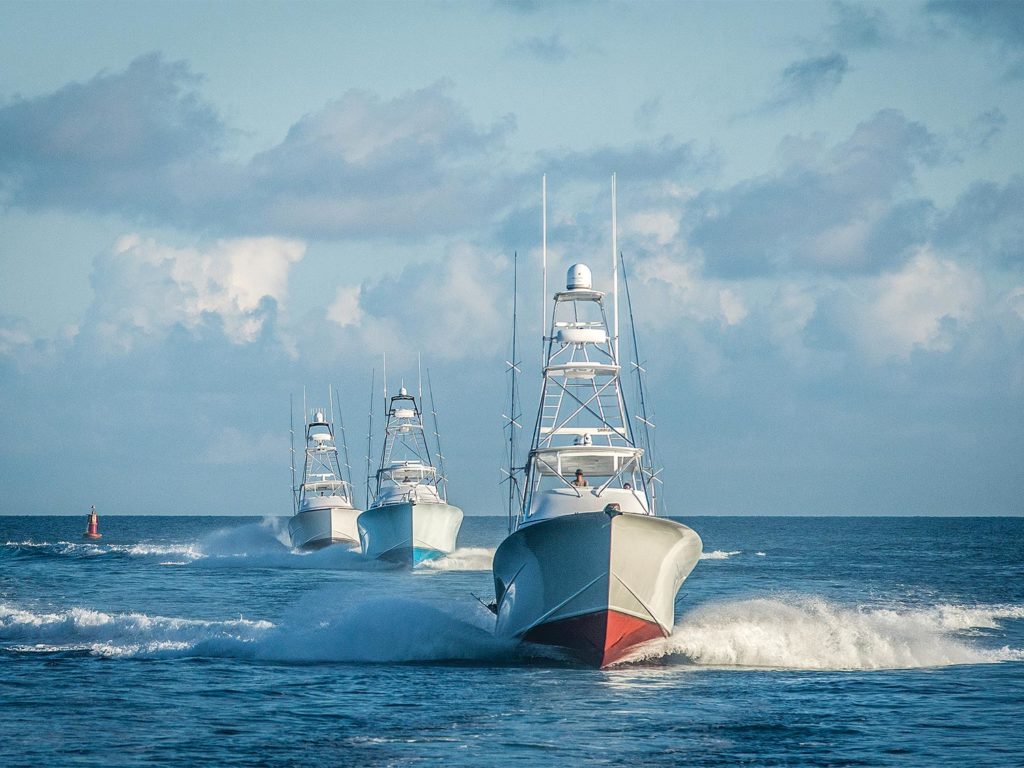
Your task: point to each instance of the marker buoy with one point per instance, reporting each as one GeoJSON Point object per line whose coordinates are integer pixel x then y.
{"type": "Point", "coordinates": [92, 532]}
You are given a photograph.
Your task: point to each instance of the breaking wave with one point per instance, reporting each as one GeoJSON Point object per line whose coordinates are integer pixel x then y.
{"type": "Point", "coordinates": [117, 634]}
{"type": "Point", "coordinates": [814, 634]}
{"type": "Point", "coordinates": [462, 559]}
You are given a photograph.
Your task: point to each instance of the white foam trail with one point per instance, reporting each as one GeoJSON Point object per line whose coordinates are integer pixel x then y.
{"type": "Point", "coordinates": [812, 633]}
{"type": "Point", "coordinates": [118, 634]}
{"type": "Point", "coordinates": [462, 559]}
{"type": "Point", "coordinates": [95, 549]}
{"type": "Point", "coordinates": [719, 555]}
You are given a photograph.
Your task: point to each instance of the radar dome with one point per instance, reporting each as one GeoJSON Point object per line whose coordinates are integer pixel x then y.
{"type": "Point", "coordinates": [579, 278]}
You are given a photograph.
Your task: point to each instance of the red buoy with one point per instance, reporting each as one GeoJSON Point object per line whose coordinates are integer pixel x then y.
{"type": "Point", "coordinates": [92, 531]}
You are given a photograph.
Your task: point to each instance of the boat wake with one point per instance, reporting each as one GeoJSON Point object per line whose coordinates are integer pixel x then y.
{"type": "Point", "coordinates": [462, 559]}
{"type": "Point", "coordinates": [719, 554]}
{"type": "Point", "coordinates": [799, 634]}
{"type": "Point", "coordinates": [811, 633]}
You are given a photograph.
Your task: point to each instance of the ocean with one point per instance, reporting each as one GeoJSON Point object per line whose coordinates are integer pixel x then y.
{"type": "Point", "coordinates": [799, 641]}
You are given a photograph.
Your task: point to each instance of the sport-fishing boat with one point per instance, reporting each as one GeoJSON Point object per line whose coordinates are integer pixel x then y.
{"type": "Point", "coordinates": [588, 565]}
{"type": "Point", "coordinates": [323, 510]}
{"type": "Point", "coordinates": [410, 519]}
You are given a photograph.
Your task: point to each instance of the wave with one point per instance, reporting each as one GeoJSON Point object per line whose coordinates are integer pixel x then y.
{"type": "Point", "coordinates": [814, 634]}
{"type": "Point", "coordinates": [462, 559]}
{"type": "Point", "coordinates": [116, 634]}
{"type": "Point", "coordinates": [77, 549]}
{"type": "Point", "coordinates": [719, 555]}
{"type": "Point", "coordinates": [394, 630]}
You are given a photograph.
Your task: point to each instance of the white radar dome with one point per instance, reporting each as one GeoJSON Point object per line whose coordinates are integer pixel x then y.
{"type": "Point", "coordinates": [579, 277]}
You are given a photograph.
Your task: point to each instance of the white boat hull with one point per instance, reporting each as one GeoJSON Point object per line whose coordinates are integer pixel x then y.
{"type": "Point", "coordinates": [594, 583]}
{"type": "Point", "coordinates": [318, 526]}
{"type": "Point", "coordinates": [409, 532]}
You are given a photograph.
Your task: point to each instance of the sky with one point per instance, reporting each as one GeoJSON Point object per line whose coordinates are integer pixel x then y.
{"type": "Point", "coordinates": [207, 207]}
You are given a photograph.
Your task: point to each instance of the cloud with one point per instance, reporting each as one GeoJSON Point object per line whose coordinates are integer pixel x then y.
{"type": "Point", "coordinates": [1000, 21]}
{"type": "Point", "coordinates": [647, 113]}
{"type": "Point", "coordinates": [109, 143]}
{"type": "Point", "coordinates": [807, 80]}
{"type": "Point", "coordinates": [143, 143]}
{"type": "Point", "coordinates": [986, 224]}
{"type": "Point", "coordinates": [144, 289]}
{"type": "Point", "coordinates": [550, 49]}
{"type": "Point", "coordinates": [448, 310]}
{"type": "Point", "coordinates": [920, 307]}
{"type": "Point", "coordinates": [647, 161]}
{"type": "Point", "coordinates": [828, 209]}
{"type": "Point", "coordinates": [363, 166]}
{"type": "Point", "coordinates": [345, 309]}
{"type": "Point", "coordinates": [858, 27]}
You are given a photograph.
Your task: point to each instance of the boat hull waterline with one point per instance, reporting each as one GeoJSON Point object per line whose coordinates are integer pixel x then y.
{"type": "Point", "coordinates": [409, 532]}
{"type": "Point", "coordinates": [321, 526]}
{"type": "Point", "coordinates": [594, 583]}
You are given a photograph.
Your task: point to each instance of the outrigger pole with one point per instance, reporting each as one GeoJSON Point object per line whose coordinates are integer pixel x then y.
{"type": "Point", "coordinates": [291, 430]}
{"type": "Point", "coordinates": [544, 266]}
{"type": "Point", "coordinates": [615, 274]}
{"type": "Point", "coordinates": [344, 438]}
{"type": "Point", "coordinates": [369, 434]}
{"type": "Point", "coordinates": [437, 435]}
{"type": "Point", "coordinates": [513, 368]}
{"type": "Point", "coordinates": [643, 418]}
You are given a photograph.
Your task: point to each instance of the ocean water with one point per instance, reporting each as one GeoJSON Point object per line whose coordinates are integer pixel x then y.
{"type": "Point", "coordinates": [799, 641]}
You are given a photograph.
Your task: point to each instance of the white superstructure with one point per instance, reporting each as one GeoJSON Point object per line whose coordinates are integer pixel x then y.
{"type": "Point", "coordinates": [323, 509]}
{"type": "Point", "coordinates": [587, 565]}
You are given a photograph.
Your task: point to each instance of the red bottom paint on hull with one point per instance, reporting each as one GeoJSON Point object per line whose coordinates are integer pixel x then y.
{"type": "Point", "coordinates": [599, 639]}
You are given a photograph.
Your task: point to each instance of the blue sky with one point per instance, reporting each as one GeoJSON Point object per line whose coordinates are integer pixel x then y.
{"type": "Point", "coordinates": [206, 206]}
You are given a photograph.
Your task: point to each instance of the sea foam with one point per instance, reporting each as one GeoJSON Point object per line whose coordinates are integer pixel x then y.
{"type": "Point", "coordinates": [815, 634]}
{"type": "Point", "coordinates": [462, 559]}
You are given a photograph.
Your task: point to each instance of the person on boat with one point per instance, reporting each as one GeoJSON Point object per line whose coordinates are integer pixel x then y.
{"type": "Point", "coordinates": [580, 481]}
{"type": "Point", "coordinates": [627, 486]}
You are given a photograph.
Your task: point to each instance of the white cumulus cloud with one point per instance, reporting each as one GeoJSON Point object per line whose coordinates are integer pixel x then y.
{"type": "Point", "coordinates": [918, 307]}
{"type": "Point", "coordinates": [145, 287]}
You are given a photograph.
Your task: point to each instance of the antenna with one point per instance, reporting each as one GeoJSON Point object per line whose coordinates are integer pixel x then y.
{"type": "Point", "coordinates": [385, 354]}
{"type": "Point", "coordinates": [330, 400]}
{"type": "Point", "coordinates": [305, 411]}
{"type": "Point", "coordinates": [544, 263]}
{"type": "Point", "coordinates": [291, 430]}
{"type": "Point", "coordinates": [419, 377]}
{"type": "Point", "coordinates": [615, 273]}
{"type": "Point", "coordinates": [369, 435]}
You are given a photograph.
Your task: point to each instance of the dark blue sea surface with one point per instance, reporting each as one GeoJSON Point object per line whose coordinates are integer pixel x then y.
{"type": "Point", "coordinates": [799, 641]}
